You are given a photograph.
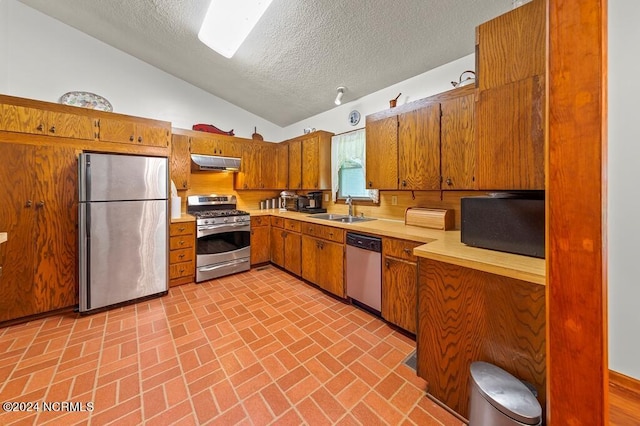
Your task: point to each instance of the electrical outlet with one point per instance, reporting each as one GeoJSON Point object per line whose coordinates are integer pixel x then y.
{"type": "Point", "coordinates": [394, 200]}
{"type": "Point", "coordinates": [326, 197]}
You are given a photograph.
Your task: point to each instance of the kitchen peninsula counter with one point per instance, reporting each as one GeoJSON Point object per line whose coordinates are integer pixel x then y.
{"type": "Point", "coordinates": [444, 246]}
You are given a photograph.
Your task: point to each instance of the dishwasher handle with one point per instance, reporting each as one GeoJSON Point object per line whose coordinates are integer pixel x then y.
{"type": "Point", "coordinates": [364, 242]}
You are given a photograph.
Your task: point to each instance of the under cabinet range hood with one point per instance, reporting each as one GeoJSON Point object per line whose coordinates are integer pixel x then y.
{"type": "Point", "coordinates": [214, 163]}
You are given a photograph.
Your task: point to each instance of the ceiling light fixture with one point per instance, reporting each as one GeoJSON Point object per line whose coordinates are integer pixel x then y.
{"type": "Point", "coordinates": [338, 100]}
{"type": "Point", "coordinates": [228, 23]}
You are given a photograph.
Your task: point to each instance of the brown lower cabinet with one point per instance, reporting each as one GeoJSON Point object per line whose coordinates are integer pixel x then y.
{"type": "Point", "coordinates": [260, 240]}
{"type": "Point", "coordinates": [466, 315]}
{"type": "Point", "coordinates": [182, 263]}
{"type": "Point", "coordinates": [323, 257]}
{"type": "Point", "coordinates": [39, 211]}
{"type": "Point", "coordinates": [399, 283]}
{"type": "Point", "coordinates": [286, 244]}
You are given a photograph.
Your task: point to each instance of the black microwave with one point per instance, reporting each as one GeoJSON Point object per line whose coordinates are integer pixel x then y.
{"type": "Point", "coordinates": [509, 222]}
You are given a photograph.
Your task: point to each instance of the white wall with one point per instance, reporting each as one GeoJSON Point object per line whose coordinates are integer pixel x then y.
{"type": "Point", "coordinates": [41, 58]}
{"type": "Point", "coordinates": [429, 83]}
{"type": "Point", "coordinates": [623, 184]}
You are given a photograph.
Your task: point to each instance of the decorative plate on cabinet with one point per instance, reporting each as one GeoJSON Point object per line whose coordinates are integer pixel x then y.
{"type": "Point", "coordinates": [86, 100]}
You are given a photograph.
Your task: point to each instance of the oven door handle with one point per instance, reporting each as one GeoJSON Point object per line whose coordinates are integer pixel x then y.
{"type": "Point", "coordinates": [224, 225]}
{"type": "Point", "coordinates": [203, 231]}
{"type": "Point", "coordinates": [223, 265]}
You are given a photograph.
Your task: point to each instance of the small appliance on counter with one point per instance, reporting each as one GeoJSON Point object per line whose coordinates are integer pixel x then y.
{"type": "Point", "coordinates": [292, 201]}
{"type": "Point", "coordinates": [512, 222]}
{"type": "Point", "coordinates": [314, 203]}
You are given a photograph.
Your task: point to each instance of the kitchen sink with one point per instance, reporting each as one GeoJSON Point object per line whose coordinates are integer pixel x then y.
{"type": "Point", "coordinates": [352, 219]}
{"type": "Point", "coordinates": [328, 216]}
{"type": "Point", "coordinates": [342, 218]}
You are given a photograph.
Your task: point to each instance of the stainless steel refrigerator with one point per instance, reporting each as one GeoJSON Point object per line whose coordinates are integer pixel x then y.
{"type": "Point", "coordinates": [123, 226]}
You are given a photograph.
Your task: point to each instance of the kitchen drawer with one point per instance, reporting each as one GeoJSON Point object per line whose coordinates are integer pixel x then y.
{"type": "Point", "coordinates": [180, 255]}
{"type": "Point", "coordinates": [181, 242]}
{"type": "Point", "coordinates": [259, 221]}
{"type": "Point", "coordinates": [402, 249]}
{"type": "Point", "coordinates": [278, 222]}
{"type": "Point", "coordinates": [293, 225]}
{"type": "Point", "coordinates": [181, 228]}
{"type": "Point", "coordinates": [326, 232]}
{"type": "Point", "coordinates": [182, 269]}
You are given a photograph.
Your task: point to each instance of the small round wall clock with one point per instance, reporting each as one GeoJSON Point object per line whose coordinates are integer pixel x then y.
{"type": "Point", "coordinates": [354, 117]}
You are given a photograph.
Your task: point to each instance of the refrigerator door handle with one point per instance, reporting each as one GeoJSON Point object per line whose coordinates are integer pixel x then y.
{"type": "Point", "coordinates": [84, 221]}
{"type": "Point", "coordinates": [88, 176]}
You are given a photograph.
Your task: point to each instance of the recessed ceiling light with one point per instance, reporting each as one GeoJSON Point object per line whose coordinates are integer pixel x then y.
{"type": "Point", "coordinates": [228, 23]}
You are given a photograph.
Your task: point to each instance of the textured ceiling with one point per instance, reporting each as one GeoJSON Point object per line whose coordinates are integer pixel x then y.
{"type": "Point", "coordinates": [290, 65]}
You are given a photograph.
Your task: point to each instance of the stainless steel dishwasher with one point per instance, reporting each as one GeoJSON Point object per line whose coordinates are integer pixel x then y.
{"type": "Point", "coordinates": [364, 271]}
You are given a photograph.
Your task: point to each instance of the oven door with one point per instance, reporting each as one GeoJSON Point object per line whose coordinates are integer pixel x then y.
{"type": "Point", "coordinates": [222, 243]}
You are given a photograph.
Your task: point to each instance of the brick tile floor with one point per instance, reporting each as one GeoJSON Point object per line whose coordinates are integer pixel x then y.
{"type": "Point", "coordinates": [256, 348]}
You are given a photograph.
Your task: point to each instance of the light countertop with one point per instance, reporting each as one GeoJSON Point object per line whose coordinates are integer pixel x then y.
{"type": "Point", "coordinates": [184, 218]}
{"type": "Point", "coordinates": [444, 246]}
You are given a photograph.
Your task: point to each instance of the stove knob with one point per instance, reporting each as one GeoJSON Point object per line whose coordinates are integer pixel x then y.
{"type": "Point", "coordinates": [225, 220]}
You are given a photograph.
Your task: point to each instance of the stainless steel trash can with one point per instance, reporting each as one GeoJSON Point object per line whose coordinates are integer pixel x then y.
{"type": "Point", "coordinates": [499, 399]}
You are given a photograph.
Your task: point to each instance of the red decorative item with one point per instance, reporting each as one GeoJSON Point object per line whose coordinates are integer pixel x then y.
{"type": "Point", "coordinates": [210, 128]}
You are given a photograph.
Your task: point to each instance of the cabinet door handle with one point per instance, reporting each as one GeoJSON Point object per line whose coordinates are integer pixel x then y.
{"type": "Point", "coordinates": [404, 183]}
{"type": "Point", "coordinates": [139, 139]}
{"type": "Point", "coordinates": [181, 228]}
{"type": "Point", "coordinates": [131, 138]}
{"type": "Point", "coordinates": [370, 184]}
{"type": "Point", "coordinates": [386, 263]}
{"type": "Point", "coordinates": [181, 256]}
{"type": "Point", "coordinates": [181, 270]}
{"type": "Point", "coordinates": [181, 242]}
{"type": "Point", "coordinates": [331, 234]}
{"type": "Point", "coordinates": [28, 203]}
{"type": "Point", "coordinates": [40, 204]}
{"type": "Point", "coordinates": [52, 129]}
{"type": "Point", "coordinates": [449, 181]}
{"type": "Point", "coordinates": [184, 184]}
{"type": "Point", "coordinates": [39, 128]}
{"type": "Point", "coordinates": [407, 250]}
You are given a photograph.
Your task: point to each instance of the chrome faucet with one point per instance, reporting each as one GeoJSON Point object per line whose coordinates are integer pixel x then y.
{"type": "Point", "coordinates": [349, 201]}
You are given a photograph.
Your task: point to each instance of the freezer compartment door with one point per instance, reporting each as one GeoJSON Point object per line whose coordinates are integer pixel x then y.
{"type": "Point", "coordinates": [123, 252]}
{"type": "Point", "coordinates": [112, 177]}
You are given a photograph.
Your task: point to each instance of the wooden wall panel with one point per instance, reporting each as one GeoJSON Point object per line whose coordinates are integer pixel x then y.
{"type": "Point", "coordinates": [576, 213]}
{"type": "Point", "coordinates": [465, 315]}
{"type": "Point", "coordinates": [56, 207]}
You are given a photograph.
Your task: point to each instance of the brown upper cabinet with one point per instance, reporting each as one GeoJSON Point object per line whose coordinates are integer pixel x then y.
{"type": "Point", "coordinates": [510, 55]}
{"type": "Point", "coordinates": [263, 166]}
{"type": "Point", "coordinates": [457, 142]}
{"type": "Point", "coordinates": [24, 119]}
{"type": "Point", "coordinates": [404, 148]}
{"type": "Point", "coordinates": [220, 145]}
{"type": "Point", "coordinates": [511, 47]}
{"type": "Point", "coordinates": [133, 132]}
{"type": "Point", "coordinates": [310, 161]}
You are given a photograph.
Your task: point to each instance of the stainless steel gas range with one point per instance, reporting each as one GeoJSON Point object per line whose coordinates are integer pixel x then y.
{"type": "Point", "coordinates": [223, 236]}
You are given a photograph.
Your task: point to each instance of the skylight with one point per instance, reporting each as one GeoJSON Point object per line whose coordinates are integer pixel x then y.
{"type": "Point", "coordinates": [228, 23]}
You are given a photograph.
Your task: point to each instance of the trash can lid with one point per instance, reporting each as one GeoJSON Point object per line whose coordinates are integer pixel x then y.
{"type": "Point", "coordinates": [506, 393]}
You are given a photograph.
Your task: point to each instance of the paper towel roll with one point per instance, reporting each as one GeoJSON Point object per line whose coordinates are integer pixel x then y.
{"type": "Point", "coordinates": [176, 204]}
